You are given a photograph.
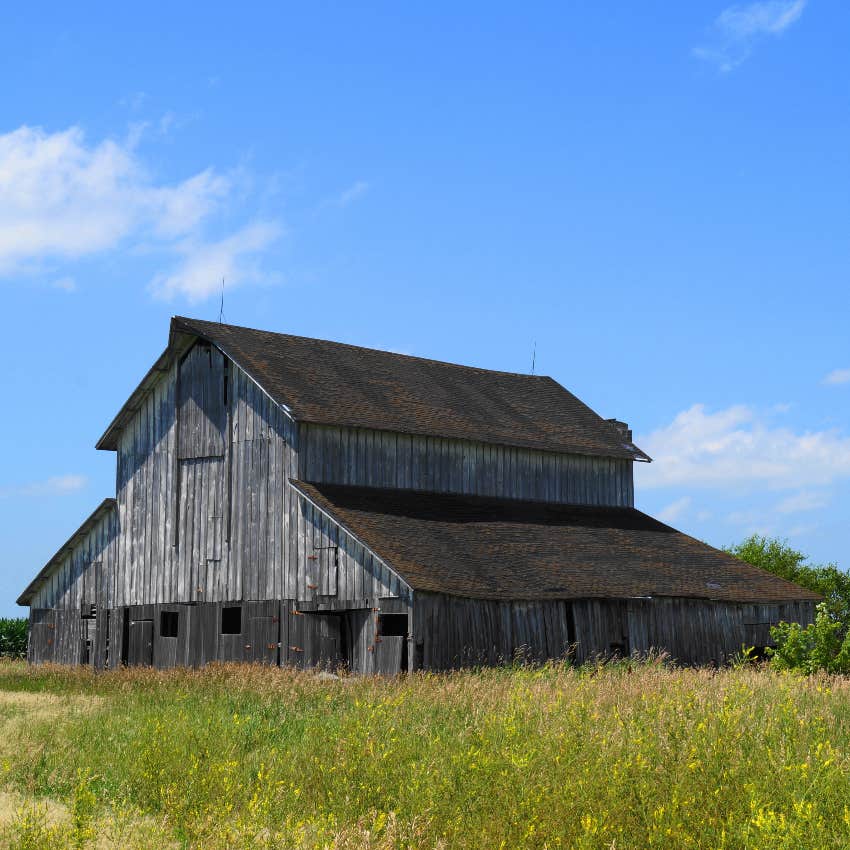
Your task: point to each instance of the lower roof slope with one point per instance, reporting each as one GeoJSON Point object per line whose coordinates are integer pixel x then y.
{"type": "Point", "coordinates": [501, 549]}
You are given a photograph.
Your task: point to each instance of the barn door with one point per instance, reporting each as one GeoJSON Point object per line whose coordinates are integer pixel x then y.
{"type": "Point", "coordinates": [316, 640]}
{"type": "Point", "coordinates": [141, 643]}
{"type": "Point", "coordinates": [42, 635]}
{"type": "Point", "coordinates": [263, 634]}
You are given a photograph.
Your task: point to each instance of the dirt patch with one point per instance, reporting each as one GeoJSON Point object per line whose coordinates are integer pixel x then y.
{"type": "Point", "coordinates": [12, 804]}
{"type": "Point", "coordinates": [110, 831]}
{"type": "Point", "coordinates": [21, 709]}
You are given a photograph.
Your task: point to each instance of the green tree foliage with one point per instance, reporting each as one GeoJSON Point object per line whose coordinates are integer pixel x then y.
{"type": "Point", "coordinates": [13, 638]}
{"type": "Point", "coordinates": [777, 557]}
{"type": "Point", "coordinates": [824, 644]}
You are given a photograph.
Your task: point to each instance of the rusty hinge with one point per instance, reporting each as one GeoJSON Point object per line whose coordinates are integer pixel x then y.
{"type": "Point", "coordinates": [313, 586]}
{"type": "Point", "coordinates": [295, 649]}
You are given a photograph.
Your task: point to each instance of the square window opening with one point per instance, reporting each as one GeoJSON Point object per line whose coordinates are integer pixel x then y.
{"type": "Point", "coordinates": [168, 622]}
{"type": "Point", "coordinates": [231, 620]}
{"type": "Point", "coordinates": [392, 625]}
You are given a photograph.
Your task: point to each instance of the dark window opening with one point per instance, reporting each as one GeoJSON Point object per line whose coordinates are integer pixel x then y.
{"type": "Point", "coordinates": [231, 620]}
{"type": "Point", "coordinates": [392, 625]}
{"type": "Point", "coordinates": [88, 611]}
{"type": "Point", "coordinates": [168, 624]}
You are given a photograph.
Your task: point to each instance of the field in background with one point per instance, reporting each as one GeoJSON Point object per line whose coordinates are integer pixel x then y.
{"type": "Point", "coordinates": [628, 756]}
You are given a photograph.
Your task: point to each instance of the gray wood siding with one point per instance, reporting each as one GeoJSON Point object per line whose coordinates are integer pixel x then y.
{"type": "Point", "coordinates": [332, 564]}
{"type": "Point", "coordinates": [201, 399]}
{"type": "Point", "coordinates": [206, 527]}
{"type": "Point", "coordinates": [451, 632]}
{"type": "Point", "coordinates": [86, 573]}
{"type": "Point", "coordinates": [337, 455]}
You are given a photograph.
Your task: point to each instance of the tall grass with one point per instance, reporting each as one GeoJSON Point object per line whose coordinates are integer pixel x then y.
{"type": "Point", "coordinates": [626, 756]}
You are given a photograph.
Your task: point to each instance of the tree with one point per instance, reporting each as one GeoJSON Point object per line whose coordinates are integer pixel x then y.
{"type": "Point", "coordinates": [777, 557]}
{"type": "Point", "coordinates": [824, 644]}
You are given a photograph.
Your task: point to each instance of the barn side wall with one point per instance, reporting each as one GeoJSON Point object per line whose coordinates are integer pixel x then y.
{"type": "Point", "coordinates": [336, 455]}
{"type": "Point", "coordinates": [81, 583]}
{"type": "Point", "coordinates": [451, 632]}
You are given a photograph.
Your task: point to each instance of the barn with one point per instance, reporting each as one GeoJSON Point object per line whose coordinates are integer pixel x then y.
{"type": "Point", "coordinates": [301, 502]}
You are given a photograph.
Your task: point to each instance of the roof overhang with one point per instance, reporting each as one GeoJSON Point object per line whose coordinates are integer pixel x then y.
{"type": "Point", "coordinates": [104, 508]}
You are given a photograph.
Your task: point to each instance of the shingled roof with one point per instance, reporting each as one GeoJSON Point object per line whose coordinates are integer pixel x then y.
{"type": "Point", "coordinates": [336, 384]}
{"type": "Point", "coordinates": [502, 549]}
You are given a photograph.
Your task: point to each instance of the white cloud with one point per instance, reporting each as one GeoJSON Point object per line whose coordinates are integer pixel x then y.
{"type": "Point", "coordinates": [66, 284]}
{"type": "Point", "coordinates": [837, 376]}
{"type": "Point", "coordinates": [737, 449]}
{"type": "Point", "coordinates": [58, 485]}
{"type": "Point", "coordinates": [675, 509]}
{"type": "Point", "coordinates": [765, 18]}
{"type": "Point", "coordinates": [206, 265]}
{"type": "Point", "coordinates": [352, 193]}
{"type": "Point", "coordinates": [805, 500]}
{"type": "Point", "coordinates": [738, 29]}
{"type": "Point", "coordinates": [62, 198]}
{"type": "Point", "coordinates": [347, 196]}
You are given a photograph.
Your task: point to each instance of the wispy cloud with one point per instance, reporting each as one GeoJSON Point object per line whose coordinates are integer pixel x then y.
{"type": "Point", "coordinates": [206, 265]}
{"type": "Point", "coordinates": [63, 198]}
{"type": "Point", "coordinates": [675, 509]}
{"type": "Point", "coordinates": [58, 485]}
{"type": "Point", "coordinates": [837, 376]}
{"type": "Point", "coordinates": [66, 284]}
{"type": "Point", "coordinates": [347, 196]}
{"type": "Point", "coordinates": [738, 29]}
{"type": "Point", "coordinates": [737, 449]}
{"type": "Point", "coordinates": [805, 500]}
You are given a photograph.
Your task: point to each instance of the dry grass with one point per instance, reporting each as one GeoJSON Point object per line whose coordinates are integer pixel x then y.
{"type": "Point", "coordinates": [629, 756]}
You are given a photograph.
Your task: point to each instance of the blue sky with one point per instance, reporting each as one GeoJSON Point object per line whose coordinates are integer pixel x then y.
{"type": "Point", "coordinates": [654, 194]}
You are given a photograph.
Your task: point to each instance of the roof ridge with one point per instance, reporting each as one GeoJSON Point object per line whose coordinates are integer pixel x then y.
{"type": "Point", "coordinates": [465, 367]}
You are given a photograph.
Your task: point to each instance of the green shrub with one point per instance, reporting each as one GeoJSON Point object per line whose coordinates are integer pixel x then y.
{"type": "Point", "coordinates": [824, 644]}
{"type": "Point", "coordinates": [13, 637]}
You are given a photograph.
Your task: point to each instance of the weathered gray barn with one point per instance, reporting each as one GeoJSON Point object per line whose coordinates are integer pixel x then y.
{"type": "Point", "coordinates": [296, 501]}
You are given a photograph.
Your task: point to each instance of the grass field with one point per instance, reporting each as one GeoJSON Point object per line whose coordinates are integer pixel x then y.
{"type": "Point", "coordinates": [230, 757]}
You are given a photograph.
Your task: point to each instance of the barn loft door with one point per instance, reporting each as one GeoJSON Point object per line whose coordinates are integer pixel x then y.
{"type": "Point", "coordinates": [202, 392]}
{"type": "Point", "coordinates": [202, 413]}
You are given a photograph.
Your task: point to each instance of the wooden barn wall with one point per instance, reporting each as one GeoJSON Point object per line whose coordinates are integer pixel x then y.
{"type": "Point", "coordinates": [205, 517]}
{"type": "Point", "coordinates": [332, 564]}
{"type": "Point", "coordinates": [211, 517]}
{"type": "Point", "coordinates": [339, 455]}
{"type": "Point", "coordinates": [451, 632]}
{"type": "Point", "coordinates": [83, 575]}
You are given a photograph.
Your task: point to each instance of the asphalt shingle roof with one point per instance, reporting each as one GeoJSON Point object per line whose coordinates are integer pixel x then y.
{"type": "Point", "coordinates": [336, 384]}
{"type": "Point", "coordinates": [503, 549]}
